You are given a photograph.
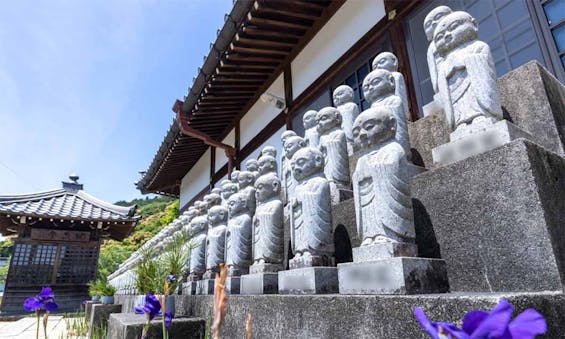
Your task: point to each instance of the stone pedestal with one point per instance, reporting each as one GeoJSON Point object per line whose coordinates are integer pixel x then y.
{"type": "Point", "coordinates": [189, 288]}
{"type": "Point", "coordinates": [205, 286]}
{"type": "Point", "coordinates": [265, 268]}
{"type": "Point", "coordinates": [309, 280]}
{"type": "Point", "coordinates": [498, 218]}
{"type": "Point", "coordinates": [259, 283]}
{"type": "Point", "coordinates": [433, 107]}
{"type": "Point", "coordinates": [232, 285]}
{"type": "Point", "coordinates": [482, 139]}
{"type": "Point", "coordinates": [384, 250]}
{"type": "Point", "coordinates": [88, 308]}
{"type": "Point", "coordinates": [310, 261]}
{"type": "Point", "coordinates": [98, 321]}
{"type": "Point", "coordinates": [130, 326]}
{"type": "Point", "coordinates": [401, 275]}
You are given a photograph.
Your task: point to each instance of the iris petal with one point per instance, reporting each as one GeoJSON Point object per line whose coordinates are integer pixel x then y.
{"type": "Point", "coordinates": [51, 306]}
{"type": "Point", "coordinates": [139, 309]}
{"type": "Point", "coordinates": [46, 293]}
{"type": "Point", "coordinates": [31, 304]}
{"type": "Point", "coordinates": [426, 324]}
{"type": "Point", "coordinates": [472, 320]}
{"type": "Point", "coordinates": [528, 324]}
{"type": "Point", "coordinates": [495, 325]}
{"type": "Point", "coordinates": [168, 318]}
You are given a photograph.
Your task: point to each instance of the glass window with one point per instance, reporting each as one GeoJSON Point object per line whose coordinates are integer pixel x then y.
{"type": "Point", "coordinates": [554, 11]}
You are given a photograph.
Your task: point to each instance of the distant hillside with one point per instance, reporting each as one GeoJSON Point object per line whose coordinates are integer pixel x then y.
{"type": "Point", "coordinates": [148, 206]}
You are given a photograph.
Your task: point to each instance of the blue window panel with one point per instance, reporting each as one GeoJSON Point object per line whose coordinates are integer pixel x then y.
{"type": "Point", "coordinates": [525, 55]}
{"type": "Point", "coordinates": [559, 36]}
{"type": "Point", "coordinates": [554, 11]}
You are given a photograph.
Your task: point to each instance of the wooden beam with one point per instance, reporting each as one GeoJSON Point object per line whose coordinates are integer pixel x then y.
{"type": "Point", "coordinates": [298, 27]}
{"type": "Point", "coordinates": [250, 58]}
{"type": "Point", "coordinates": [253, 50]}
{"type": "Point", "coordinates": [270, 7]}
{"type": "Point", "coordinates": [288, 97]}
{"type": "Point", "coordinates": [398, 41]}
{"type": "Point", "coordinates": [260, 32]}
{"type": "Point", "coordinates": [264, 41]}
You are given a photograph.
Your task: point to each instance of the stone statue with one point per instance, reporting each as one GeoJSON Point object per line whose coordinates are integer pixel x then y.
{"type": "Point", "coordinates": [228, 189]}
{"type": "Point", "coordinates": [310, 132]}
{"type": "Point", "coordinates": [216, 190]}
{"type": "Point", "coordinates": [467, 81]}
{"type": "Point", "coordinates": [379, 90]}
{"type": "Point", "coordinates": [343, 101]}
{"type": "Point", "coordinates": [267, 164]}
{"type": "Point", "coordinates": [201, 207]}
{"type": "Point", "coordinates": [269, 150]}
{"type": "Point", "coordinates": [311, 219]}
{"type": "Point", "coordinates": [197, 243]}
{"type": "Point", "coordinates": [246, 182]}
{"type": "Point", "coordinates": [333, 145]}
{"type": "Point", "coordinates": [389, 62]}
{"type": "Point", "coordinates": [234, 175]}
{"type": "Point", "coordinates": [430, 24]}
{"type": "Point", "coordinates": [268, 232]}
{"type": "Point", "coordinates": [212, 199]}
{"type": "Point", "coordinates": [191, 213]}
{"type": "Point", "coordinates": [252, 166]}
{"type": "Point", "coordinates": [291, 145]}
{"type": "Point", "coordinates": [215, 240]}
{"type": "Point", "coordinates": [381, 181]}
{"type": "Point", "coordinates": [239, 235]}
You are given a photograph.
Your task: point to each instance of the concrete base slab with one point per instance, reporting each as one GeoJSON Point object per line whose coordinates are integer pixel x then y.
{"type": "Point", "coordinates": [130, 326]}
{"type": "Point", "coordinates": [310, 261]}
{"type": "Point", "coordinates": [265, 268]}
{"type": "Point", "coordinates": [232, 285]}
{"type": "Point", "coordinates": [88, 307]}
{"type": "Point", "coordinates": [98, 321]}
{"type": "Point", "coordinates": [259, 283]}
{"type": "Point", "coordinates": [394, 276]}
{"type": "Point", "coordinates": [309, 280]}
{"type": "Point", "coordinates": [205, 286]}
{"type": "Point", "coordinates": [189, 288]}
{"type": "Point", "coordinates": [384, 250]}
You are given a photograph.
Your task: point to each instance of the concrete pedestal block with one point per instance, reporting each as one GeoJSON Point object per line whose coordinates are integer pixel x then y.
{"type": "Point", "coordinates": [232, 285]}
{"type": "Point", "coordinates": [259, 283]}
{"type": "Point", "coordinates": [309, 280]}
{"type": "Point", "coordinates": [498, 218]}
{"type": "Point", "coordinates": [189, 288]}
{"type": "Point", "coordinates": [384, 250]}
{"type": "Point", "coordinates": [98, 321]}
{"type": "Point", "coordinates": [400, 275]}
{"type": "Point", "coordinates": [205, 286]}
{"type": "Point", "coordinates": [88, 308]}
{"type": "Point", "coordinates": [130, 326]}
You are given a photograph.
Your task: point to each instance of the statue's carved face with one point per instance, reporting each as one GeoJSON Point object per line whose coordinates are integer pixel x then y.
{"type": "Point", "coordinates": [269, 150]}
{"type": "Point", "coordinates": [433, 18]}
{"type": "Point", "coordinates": [373, 127]}
{"type": "Point", "coordinates": [267, 164]}
{"type": "Point", "coordinates": [251, 165]}
{"type": "Point", "coordinates": [228, 189]}
{"type": "Point", "coordinates": [266, 187]}
{"type": "Point", "coordinates": [245, 179]}
{"type": "Point", "coordinates": [454, 30]}
{"type": "Point", "coordinates": [199, 224]}
{"type": "Point", "coordinates": [287, 134]}
{"type": "Point", "coordinates": [217, 214]}
{"type": "Point", "coordinates": [212, 199]}
{"type": "Point", "coordinates": [328, 118]}
{"type": "Point", "coordinates": [309, 119]}
{"type": "Point", "coordinates": [387, 61]}
{"type": "Point", "coordinates": [292, 145]}
{"type": "Point", "coordinates": [234, 175]}
{"type": "Point", "coordinates": [342, 95]}
{"type": "Point", "coordinates": [378, 83]}
{"type": "Point", "coordinates": [201, 207]}
{"type": "Point", "coordinates": [237, 203]}
{"type": "Point", "coordinates": [306, 162]}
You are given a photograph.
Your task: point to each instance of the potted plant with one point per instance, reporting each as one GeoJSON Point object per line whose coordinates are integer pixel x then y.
{"type": "Point", "coordinates": [95, 290]}
{"type": "Point", "coordinates": [108, 292]}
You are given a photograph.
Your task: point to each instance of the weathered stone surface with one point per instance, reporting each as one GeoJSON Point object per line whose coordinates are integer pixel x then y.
{"type": "Point", "coordinates": [534, 100]}
{"type": "Point", "coordinates": [480, 141]}
{"type": "Point", "coordinates": [130, 326]}
{"type": "Point", "coordinates": [189, 288]}
{"type": "Point", "coordinates": [232, 285]}
{"type": "Point", "coordinates": [309, 280]}
{"type": "Point", "coordinates": [99, 317]}
{"type": "Point", "coordinates": [394, 276]}
{"type": "Point", "coordinates": [259, 283]}
{"type": "Point", "coordinates": [205, 286]}
{"type": "Point", "coordinates": [498, 218]}
{"type": "Point", "coordinates": [426, 134]}
{"type": "Point", "coordinates": [354, 316]}
{"type": "Point", "coordinates": [88, 307]}
{"type": "Point", "coordinates": [384, 250]}
{"type": "Point", "coordinates": [344, 214]}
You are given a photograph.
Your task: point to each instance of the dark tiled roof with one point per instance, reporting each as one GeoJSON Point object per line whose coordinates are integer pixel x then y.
{"type": "Point", "coordinates": [66, 204]}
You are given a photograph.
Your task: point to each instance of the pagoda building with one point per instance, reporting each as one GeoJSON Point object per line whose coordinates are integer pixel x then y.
{"type": "Point", "coordinates": [57, 241]}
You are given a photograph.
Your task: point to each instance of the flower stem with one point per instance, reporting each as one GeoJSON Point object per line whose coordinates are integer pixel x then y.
{"type": "Point", "coordinates": [165, 336]}
{"type": "Point", "coordinates": [37, 329]}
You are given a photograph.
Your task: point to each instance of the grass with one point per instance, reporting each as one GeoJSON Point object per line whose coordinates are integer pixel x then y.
{"type": "Point", "coordinates": [76, 326]}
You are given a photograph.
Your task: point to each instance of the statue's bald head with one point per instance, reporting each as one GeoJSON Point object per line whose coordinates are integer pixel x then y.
{"type": "Point", "coordinates": [433, 18]}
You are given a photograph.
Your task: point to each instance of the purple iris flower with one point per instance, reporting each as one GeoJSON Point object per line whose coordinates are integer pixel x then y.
{"type": "Point", "coordinates": [168, 318]}
{"type": "Point", "coordinates": [171, 278]}
{"type": "Point", "coordinates": [152, 307]}
{"type": "Point", "coordinates": [495, 324]}
{"type": "Point", "coordinates": [44, 300]}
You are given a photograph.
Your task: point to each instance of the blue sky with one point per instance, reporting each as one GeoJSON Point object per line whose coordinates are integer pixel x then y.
{"type": "Point", "coordinates": [88, 86]}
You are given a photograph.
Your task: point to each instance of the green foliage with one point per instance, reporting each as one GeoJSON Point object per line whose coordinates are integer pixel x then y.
{"type": "Point", "coordinates": [4, 273]}
{"type": "Point", "coordinates": [6, 247]}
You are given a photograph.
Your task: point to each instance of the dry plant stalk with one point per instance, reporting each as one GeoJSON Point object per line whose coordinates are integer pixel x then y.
{"type": "Point", "coordinates": [248, 327]}
{"type": "Point", "coordinates": [220, 301]}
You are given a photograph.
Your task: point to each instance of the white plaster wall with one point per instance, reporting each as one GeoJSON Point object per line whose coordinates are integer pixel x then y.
{"type": "Point", "coordinates": [260, 114]}
{"type": "Point", "coordinates": [343, 30]}
{"type": "Point", "coordinates": [221, 158]}
{"type": "Point", "coordinates": [196, 179]}
{"type": "Point", "coordinates": [275, 141]}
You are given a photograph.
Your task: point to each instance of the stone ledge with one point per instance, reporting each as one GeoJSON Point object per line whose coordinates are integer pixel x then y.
{"type": "Point", "coordinates": [130, 326]}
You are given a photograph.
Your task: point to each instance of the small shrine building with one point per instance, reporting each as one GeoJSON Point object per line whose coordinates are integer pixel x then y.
{"type": "Point", "coordinates": [59, 233]}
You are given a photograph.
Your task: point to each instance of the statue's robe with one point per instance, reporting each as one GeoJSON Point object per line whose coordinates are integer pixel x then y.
{"type": "Point", "coordinates": [381, 189]}
{"type": "Point", "coordinates": [198, 254]}
{"type": "Point", "coordinates": [467, 84]}
{"type": "Point", "coordinates": [288, 182]}
{"type": "Point", "coordinates": [311, 220]}
{"type": "Point", "coordinates": [311, 137]}
{"type": "Point", "coordinates": [268, 232]}
{"type": "Point", "coordinates": [215, 247]}
{"type": "Point", "coordinates": [249, 193]}
{"type": "Point", "coordinates": [394, 102]}
{"type": "Point", "coordinates": [239, 243]}
{"type": "Point", "coordinates": [349, 111]}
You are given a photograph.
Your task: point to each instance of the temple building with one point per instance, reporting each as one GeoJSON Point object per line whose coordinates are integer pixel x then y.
{"type": "Point", "coordinates": [57, 240]}
{"type": "Point", "coordinates": [274, 60]}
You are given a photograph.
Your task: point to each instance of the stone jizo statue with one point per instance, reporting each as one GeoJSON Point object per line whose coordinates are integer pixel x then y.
{"type": "Point", "coordinates": [343, 101]}
{"type": "Point", "coordinates": [234, 175]}
{"type": "Point", "coordinates": [199, 227]}
{"type": "Point", "coordinates": [379, 90]}
{"type": "Point", "coordinates": [246, 182]}
{"type": "Point", "coordinates": [239, 235]}
{"type": "Point", "coordinates": [212, 199]}
{"type": "Point", "coordinates": [467, 80]}
{"type": "Point", "coordinates": [433, 58]}
{"type": "Point", "coordinates": [333, 145]}
{"type": "Point", "coordinates": [381, 186]}
{"type": "Point", "coordinates": [228, 189]}
{"type": "Point", "coordinates": [269, 150]}
{"type": "Point", "coordinates": [310, 132]}
{"type": "Point", "coordinates": [311, 219]}
{"type": "Point", "coordinates": [201, 207]}
{"type": "Point", "coordinates": [252, 166]}
{"type": "Point", "coordinates": [267, 164]}
{"type": "Point", "coordinates": [388, 61]}
{"type": "Point", "coordinates": [268, 231]}
{"type": "Point", "coordinates": [216, 240]}
{"type": "Point", "coordinates": [291, 145]}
